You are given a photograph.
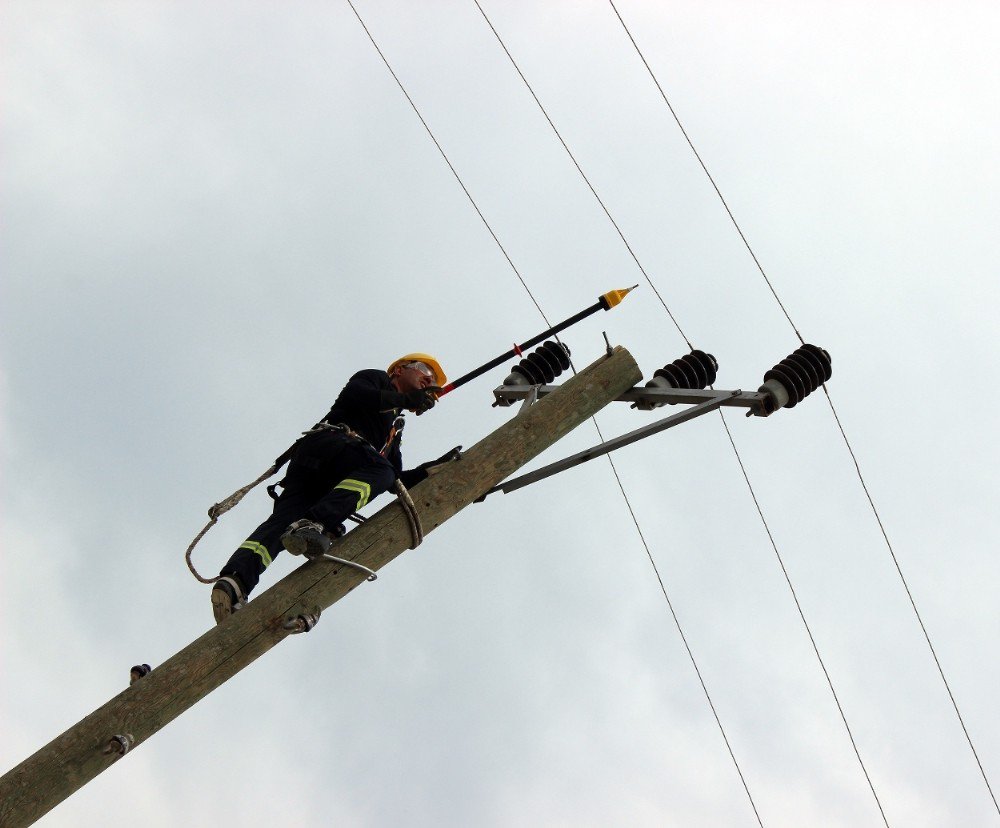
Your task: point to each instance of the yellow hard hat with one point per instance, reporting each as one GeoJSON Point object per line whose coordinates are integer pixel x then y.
{"type": "Point", "coordinates": [439, 377]}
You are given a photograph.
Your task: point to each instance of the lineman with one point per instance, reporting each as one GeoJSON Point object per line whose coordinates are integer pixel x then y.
{"type": "Point", "coordinates": [350, 458]}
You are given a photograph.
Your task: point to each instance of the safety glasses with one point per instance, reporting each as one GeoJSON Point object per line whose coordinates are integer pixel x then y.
{"type": "Point", "coordinates": [423, 369]}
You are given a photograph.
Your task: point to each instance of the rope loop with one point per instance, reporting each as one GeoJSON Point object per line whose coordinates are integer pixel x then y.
{"type": "Point", "coordinates": [216, 511]}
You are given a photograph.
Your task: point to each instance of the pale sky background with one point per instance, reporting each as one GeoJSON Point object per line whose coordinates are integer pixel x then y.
{"type": "Point", "coordinates": [214, 213]}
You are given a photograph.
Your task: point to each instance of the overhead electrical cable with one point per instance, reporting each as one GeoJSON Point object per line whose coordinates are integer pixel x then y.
{"type": "Point", "coordinates": [544, 317]}
{"type": "Point", "coordinates": [684, 640]}
{"type": "Point", "coordinates": [583, 175]}
{"type": "Point", "coordinates": [447, 161]}
{"type": "Point", "coordinates": [784, 569]}
{"type": "Point", "coordinates": [913, 603]}
{"type": "Point", "coordinates": [833, 410]}
{"type": "Point", "coordinates": [805, 623]}
{"type": "Point", "coordinates": [718, 192]}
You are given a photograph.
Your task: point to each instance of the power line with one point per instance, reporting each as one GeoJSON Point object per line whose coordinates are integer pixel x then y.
{"type": "Point", "coordinates": [909, 595]}
{"type": "Point", "coordinates": [715, 186]}
{"type": "Point", "coordinates": [583, 174]}
{"type": "Point", "coordinates": [680, 630]}
{"type": "Point", "coordinates": [802, 615]}
{"type": "Point", "coordinates": [451, 167]}
{"type": "Point", "coordinates": [798, 605]}
{"type": "Point", "coordinates": [538, 306]}
{"type": "Point", "coordinates": [833, 410]}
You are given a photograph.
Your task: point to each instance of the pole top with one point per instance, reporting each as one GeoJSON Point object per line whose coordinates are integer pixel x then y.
{"type": "Point", "coordinates": [613, 297]}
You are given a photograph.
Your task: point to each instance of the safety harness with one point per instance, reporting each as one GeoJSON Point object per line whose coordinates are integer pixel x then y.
{"type": "Point", "coordinates": [405, 501]}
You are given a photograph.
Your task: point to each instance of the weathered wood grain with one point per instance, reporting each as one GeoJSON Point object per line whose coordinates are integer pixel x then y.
{"type": "Point", "coordinates": [45, 779]}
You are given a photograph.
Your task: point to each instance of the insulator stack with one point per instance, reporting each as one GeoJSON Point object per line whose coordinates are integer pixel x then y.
{"type": "Point", "coordinates": [693, 371]}
{"type": "Point", "coordinates": [796, 377]}
{"type": "Point", "coordinates": [541, 366]}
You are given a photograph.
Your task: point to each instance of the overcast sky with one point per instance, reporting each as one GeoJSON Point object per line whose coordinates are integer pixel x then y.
{"type": "Point", "coordinates": [214, 213]}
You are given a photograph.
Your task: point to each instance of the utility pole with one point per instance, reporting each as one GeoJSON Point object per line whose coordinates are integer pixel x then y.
{"type": "Point", "coordinates": [33, 788]}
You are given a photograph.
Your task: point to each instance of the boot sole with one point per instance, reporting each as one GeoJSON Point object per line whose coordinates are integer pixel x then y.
{"type": "Point", "coordinates": [310, 547]}
{"type": "Point", "coordinates": [222, 605]}
{"type": "Point", "coordinates": [294, 544]}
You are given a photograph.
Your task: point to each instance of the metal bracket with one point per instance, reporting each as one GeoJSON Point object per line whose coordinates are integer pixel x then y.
{"type": "Point", "coordinates": [507, 395]}
{"type": "Point", "coordinates": [302, 623]}
{"type": "Point", "coordinates": [529, 398]}
{"type": "Point", "coordinates": [354, 565]}
{"type": "Point", "coordinates": [716, 400]}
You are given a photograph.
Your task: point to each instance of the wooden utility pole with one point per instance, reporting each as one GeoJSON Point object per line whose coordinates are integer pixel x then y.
{"type": "Point", "coordinates": [42, 781]}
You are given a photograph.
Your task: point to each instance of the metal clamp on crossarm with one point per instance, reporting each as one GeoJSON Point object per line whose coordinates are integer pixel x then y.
{"type": "Point", "coordinates": [683, 382]}
{"type": "Point", "coordinates": [714, 401]}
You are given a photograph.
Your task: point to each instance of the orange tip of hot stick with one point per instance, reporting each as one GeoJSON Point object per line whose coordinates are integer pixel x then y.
{"type": "Point", "coordinates": [614, 297]}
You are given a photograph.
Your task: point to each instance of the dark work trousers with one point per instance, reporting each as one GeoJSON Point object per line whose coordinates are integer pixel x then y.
{"type": "Point", "coordinates": [329, 477]}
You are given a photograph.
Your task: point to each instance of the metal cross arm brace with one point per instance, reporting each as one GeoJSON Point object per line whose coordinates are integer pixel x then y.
{"type": "Point", "coordinates": [684, 381]}
{"type": "Point", "coordinates": [756, 401]}
{"type": "Point", "coordinates": [709, 401]}
{"type": "Point", "coordinates": [687, 380]}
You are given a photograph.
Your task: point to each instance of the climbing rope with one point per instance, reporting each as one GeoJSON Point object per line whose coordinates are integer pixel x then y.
{"type": "Point", "coordinates": [217, 510]}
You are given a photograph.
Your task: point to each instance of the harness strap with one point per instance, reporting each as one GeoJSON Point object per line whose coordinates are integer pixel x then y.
{"type": "Point", "coordinates": [218, 509]}
{"type": "Point", "coordinates": [394, 432]}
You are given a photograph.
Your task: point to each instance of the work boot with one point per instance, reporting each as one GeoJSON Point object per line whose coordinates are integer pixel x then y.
{"type": "Point", "coordinates": [227, 597]}
{"type": "Point", "coordinates": [306, 537]}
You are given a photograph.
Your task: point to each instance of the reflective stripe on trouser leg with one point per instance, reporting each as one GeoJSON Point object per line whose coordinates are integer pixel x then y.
{"type": "Point", "coordinates": [359, 487]}
{"type": "Point", "coordinates": [259, 550]}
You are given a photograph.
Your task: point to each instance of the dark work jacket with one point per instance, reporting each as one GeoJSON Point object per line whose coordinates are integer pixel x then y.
{"type": "Point", "coordinates": [360, 406]}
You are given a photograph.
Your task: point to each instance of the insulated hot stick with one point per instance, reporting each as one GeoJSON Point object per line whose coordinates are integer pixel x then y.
{"type": "Point", "coordinates": [606, 302]}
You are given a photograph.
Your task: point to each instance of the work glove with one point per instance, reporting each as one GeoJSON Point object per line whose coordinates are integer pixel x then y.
{"type": "Point", "coordinates": [421, 400]}
{"type": "Point", "coordinates": [454, 454]}
{"type": "Point", "coordinates": [412, 477]}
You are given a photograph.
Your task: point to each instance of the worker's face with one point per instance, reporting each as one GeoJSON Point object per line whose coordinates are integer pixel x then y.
{"type": "Point", "coordinates": [412, 376]}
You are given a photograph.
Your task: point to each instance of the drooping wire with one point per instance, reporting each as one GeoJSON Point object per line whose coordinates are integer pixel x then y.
{"type": "Point", "coordinates": [802, 615]}
{"type": "Point", "coordinates": [544, 317]}
{"type": "Point", "coordinates": [451, 167]}
{"type": "Point", "coordinates": [680, 631]}
{"type": "Point", "coordinates": [826, 673]}
{"type": "Point", "coordinates": [611, 462]}
{"type": "Point", "coordinates": [584, 175]}
{"type": "Point", "coordinates": [913, 603]}
{"type": "Point", "coordinates": [676, 618]}
{"type": "Point", "coordinates": [718, 192]}
{"type": "Point", "coordinates": [833, 410]}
